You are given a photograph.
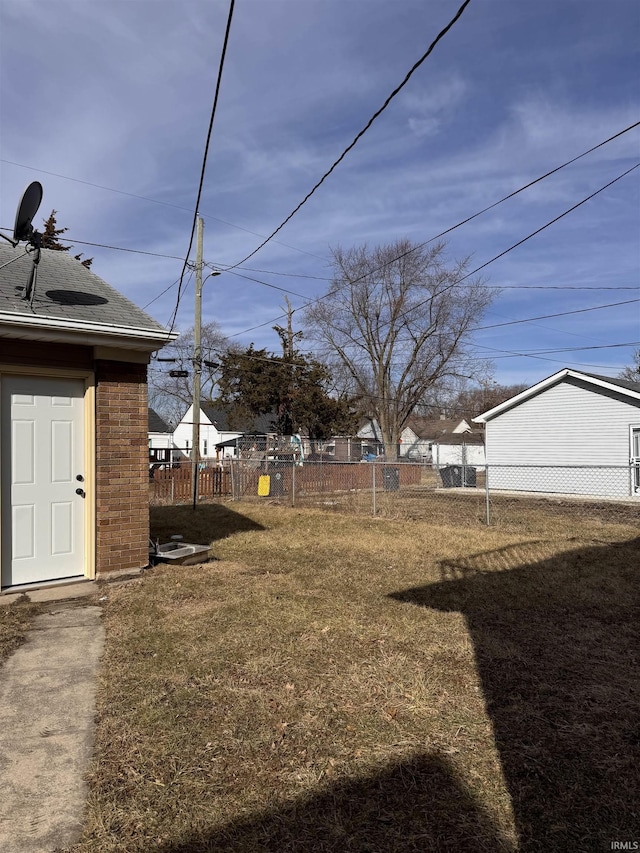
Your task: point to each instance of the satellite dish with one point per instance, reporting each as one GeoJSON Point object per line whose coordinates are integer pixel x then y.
{"type": "Point", "coordinates": [27, 209]}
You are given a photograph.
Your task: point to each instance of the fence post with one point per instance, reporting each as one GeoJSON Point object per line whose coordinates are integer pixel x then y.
{"type": "Point", "coordinates": [486, 494]}
{"type": "Point", "coordinates": [172, 487]}
{"type": "Point", "coordinates": [293, 482]}
{"type": "Point", "coordinates": [373, 480]}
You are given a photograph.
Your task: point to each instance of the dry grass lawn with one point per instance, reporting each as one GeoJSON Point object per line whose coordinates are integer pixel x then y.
{"type": "Point", "coordinates": [343, 683]}
{"type": "Point", "coordinates": [15, 620]}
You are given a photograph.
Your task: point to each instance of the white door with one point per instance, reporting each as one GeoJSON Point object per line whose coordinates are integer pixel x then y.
{"type": "Point", "coordinates": [43, 518]}
{"type": "Point", "coordinates": [635, 460]}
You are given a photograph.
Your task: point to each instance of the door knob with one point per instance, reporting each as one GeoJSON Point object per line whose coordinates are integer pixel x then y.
{"type": "Point", "coordinates": [80, 492]}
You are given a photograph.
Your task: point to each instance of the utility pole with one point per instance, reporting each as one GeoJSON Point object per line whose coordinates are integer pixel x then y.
{"type": "Point", "coordinates": [197, 365]}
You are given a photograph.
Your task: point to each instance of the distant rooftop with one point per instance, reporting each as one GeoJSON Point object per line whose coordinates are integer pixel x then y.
{"type": "Point", "coordinates": [156, 423]}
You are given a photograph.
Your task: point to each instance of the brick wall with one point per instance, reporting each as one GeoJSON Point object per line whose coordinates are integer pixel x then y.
{"type": "Point", "coordinates": [122, 467]}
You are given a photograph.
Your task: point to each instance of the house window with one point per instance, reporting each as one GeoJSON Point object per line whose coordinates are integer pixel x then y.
{"type": "Point", "coordinates": [204, 447]}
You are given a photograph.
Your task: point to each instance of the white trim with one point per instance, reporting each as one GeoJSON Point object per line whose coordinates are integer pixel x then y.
{"type": "Point", "coordinates": [28, 326]}
{"type": "Point", "coordinates": [634, 461]}
{"type": "Point", "coordinates": [548, 382]}
{"type": "Point", "coordinates": [89, 454]}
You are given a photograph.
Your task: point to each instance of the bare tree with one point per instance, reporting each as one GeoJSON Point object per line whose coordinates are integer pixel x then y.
{"type": "Point", "coordinates": [632, 373]}
{"type": "Point", "coordinates": [472, 401]}
{"type": "Point", "coordinates": [172, 395]}
{"type": "Point", "coordinates": [396, 322]}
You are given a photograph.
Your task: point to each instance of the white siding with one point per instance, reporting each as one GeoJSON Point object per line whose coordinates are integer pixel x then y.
{"type": "Point", "coordinates": [160, 440]}
{"type": "Point", "coordinates": [452, 454]}
{"type": "Point", "coordinates": [568, 424]}
{"type": "Point", "coordinates": [183, 435]}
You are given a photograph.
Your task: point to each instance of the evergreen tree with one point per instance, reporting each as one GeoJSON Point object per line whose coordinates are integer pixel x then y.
{"type": "Point", "coordinates": [50, 239]}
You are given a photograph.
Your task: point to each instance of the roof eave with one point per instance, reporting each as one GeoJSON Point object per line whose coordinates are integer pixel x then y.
{"type": "Point", "coordinates": [53, 329]}
{"type": "Point", "coordinates": [548, 382]}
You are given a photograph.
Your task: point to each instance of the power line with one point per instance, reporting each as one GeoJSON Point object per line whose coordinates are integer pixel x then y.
{"type": "Point", "coordinates": [520, 243]}
{"type": "Point", "coordinates": [468, 219]}
{"type": "Point", "coordinates": [73, 241]}
{"type": "Point", "coordinates": [537, 353]}
{"type": "Point", "coordinates": [260, 281]}
{"type": "Point", "coordinates": [123, 249]}
{"type": "Point", "coordinates": [398, 88]}
{"type": "Point", "coordinates": [152, 201]}
{"type": "Point", "coordinates": [162, 293]}
{"type": "Point", "coordinates": [533, 319]}
{"type": "Point", "coordinates": [550, 316]}
{"type": "Point", "coordinates": [322, 278]}
{"type": "Point", "coordinates": [216, 267]}
{"type": "Point", "coordinates": [273, 286]}
{"type": "Point", "coordinates": [204, 159]}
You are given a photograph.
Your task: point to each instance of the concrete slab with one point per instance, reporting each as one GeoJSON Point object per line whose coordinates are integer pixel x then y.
{"type": "Point", "coordinates": [47, 713]}
{"type": "Point", "coordinates": [54, 592]}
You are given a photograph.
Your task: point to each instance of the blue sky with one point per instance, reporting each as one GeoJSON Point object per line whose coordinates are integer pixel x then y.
{"type": "Point", "coordinates": [118, 94]}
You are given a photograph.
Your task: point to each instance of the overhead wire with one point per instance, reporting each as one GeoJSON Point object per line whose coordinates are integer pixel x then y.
{"type": "Point", "coordinates": [204, 160]}
{"type": "Point", "coordinates": [415, 248]}
{"type": "Point", "coordinates": [557, 314]}
{"type": "Point", "coordinates": [162, 293]}
{"type": "Point", "coordinates": [517, 244]}
{"type": "Point", "coordinates": [504, 198]}
{"type": "Point", "coordinates": [216, 267]}
{"type": "Point", "coordinates": [539, 355]}
{"type": "Point", "coordinates": [356, 139]}
{"type": "Point", "coordinates": [153, 201]}
{"type": "Point", "coordinates": [347, 283]}
{"type": "Point", "coordinates": [259, 281]}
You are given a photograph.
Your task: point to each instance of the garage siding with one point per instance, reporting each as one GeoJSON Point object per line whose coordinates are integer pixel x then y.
{"type": "Point", "coordinates": [569, 424]}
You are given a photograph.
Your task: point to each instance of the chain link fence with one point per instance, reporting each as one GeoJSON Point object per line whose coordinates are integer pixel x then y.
{"type": "Point", "coordinates": [272, 469]}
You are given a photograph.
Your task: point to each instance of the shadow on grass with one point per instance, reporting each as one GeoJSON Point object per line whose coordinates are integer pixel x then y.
{"type": "Point", "coordinates": [414, 806]}
{"type": "Point", "coordinates": [557, 646]}
{"type": "Point", "coordinates": [207, 523]}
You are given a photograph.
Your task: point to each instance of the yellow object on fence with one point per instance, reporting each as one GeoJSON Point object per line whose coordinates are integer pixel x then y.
{"type": "Point", "coordinates": [264, 485]}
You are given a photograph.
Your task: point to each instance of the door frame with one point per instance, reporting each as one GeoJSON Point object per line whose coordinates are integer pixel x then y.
{"type": "Point", "coordinates": [89, 451]}
{"type": "Point", "coordinates": [634, 461]}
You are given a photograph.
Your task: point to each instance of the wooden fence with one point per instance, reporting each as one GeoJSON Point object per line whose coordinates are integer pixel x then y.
{"type": "Point", "coordinates": [239, 479]}
{"type": "Point", "coordinates": [173, 485]}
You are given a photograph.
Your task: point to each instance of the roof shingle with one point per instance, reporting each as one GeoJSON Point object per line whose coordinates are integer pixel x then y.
{"type": "Point", "coordinates": [65, 290]}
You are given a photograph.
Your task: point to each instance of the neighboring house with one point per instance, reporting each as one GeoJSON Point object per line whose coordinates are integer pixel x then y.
{"type": "Point", "coordinates": [572, 433]}
{"type": "Point", "coordinates": [214, 430]}
{"type": "Point", "coordinates": [419, 436]}
{"type": "Point", "coordinates": [441, 441]}
{"type": "Point", "coordinates": [346, 448]}
{"type": "Point", "coordinates": [73, 427]}
{"type": "Point", "coordinates": [369, 429]}
{"type": "Point", "coordinates": [160, 439]}
{"type": "Point", "coordinates": [459, 449]}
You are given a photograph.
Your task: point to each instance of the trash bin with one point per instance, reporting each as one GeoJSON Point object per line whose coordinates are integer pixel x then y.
{"type": "Point", "coordinates": [451, 476]}
{"type": "Point", "coordinates": [277, 484]}
{"type": "Point", "coordinates": [469, 475]}
{"type": "Point", "coordinates": [456, 476]}
{"type": "Point", "coordinates": [390, 479]}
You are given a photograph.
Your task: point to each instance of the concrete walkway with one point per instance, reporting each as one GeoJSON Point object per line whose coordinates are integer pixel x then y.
{"type": "Point", "coordinates": [47, 710]}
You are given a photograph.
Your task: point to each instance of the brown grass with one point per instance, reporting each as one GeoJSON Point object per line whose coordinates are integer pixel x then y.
{"type": "Point", "coordinates": [15, 621]}
{"type": "Point", "coordinates": [343, 683]}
